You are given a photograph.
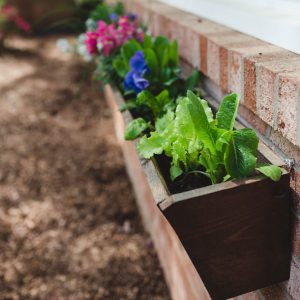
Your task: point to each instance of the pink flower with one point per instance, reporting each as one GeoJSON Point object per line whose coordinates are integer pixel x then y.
{"type": "Point", "coordinates": [9, 11]}
{"type": "Point", "coordinates": [91, 42]}
{"type": "Point", "coordinates": [12, 14]}
{"type": "Point", "coordinates": [22, 24]}
{"type": "Point", "coordinates": [108, 38]}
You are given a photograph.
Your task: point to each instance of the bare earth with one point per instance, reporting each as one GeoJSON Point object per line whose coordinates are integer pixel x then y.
{"type": "Point", "coordinates": [69, 227]}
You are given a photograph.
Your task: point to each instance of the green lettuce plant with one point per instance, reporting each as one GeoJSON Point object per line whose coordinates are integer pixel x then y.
{"type": "Point", "coordinates": [201, 143]}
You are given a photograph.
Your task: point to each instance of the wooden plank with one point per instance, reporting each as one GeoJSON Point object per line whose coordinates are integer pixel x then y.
{"type": "Point", "coordinates": [237, 238]}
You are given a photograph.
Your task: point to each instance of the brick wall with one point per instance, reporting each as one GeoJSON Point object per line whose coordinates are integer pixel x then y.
{"type": "Point", "coordinates": [268, 80]}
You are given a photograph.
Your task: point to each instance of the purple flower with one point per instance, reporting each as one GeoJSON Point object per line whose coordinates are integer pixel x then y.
{"type": "Point", "coordinates": [138, 64]}
{"type": "Point", "coordinates": [114, 17]}
{"type": "Point", "coordinates": [134, 81]}
{"type": "Point", "coordinates": [132, 17]}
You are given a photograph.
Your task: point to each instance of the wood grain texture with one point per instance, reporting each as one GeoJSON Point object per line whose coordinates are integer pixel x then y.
{"type": "Point", "coordinates": [237, 238]}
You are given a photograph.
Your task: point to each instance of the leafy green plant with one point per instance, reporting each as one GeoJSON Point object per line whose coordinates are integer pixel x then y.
{"type": "Point", "coordinates": [201, 143]}
{"type": "Point", "coordinates": [107, 13]}
{"type": "Point", "coordinates": [155, 63]}
{"type": "Point", "coordinates": [162, 60]}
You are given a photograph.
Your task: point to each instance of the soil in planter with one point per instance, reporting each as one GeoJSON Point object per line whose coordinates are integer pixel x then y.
{"type": "Point", "coordinates": [183, 183]}
{"type": "Point", "coordinates": [69, 228]}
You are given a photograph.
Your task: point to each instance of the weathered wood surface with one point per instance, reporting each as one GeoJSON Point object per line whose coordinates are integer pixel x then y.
{"type": "Point", "coordinates": [236, 233]}
{"type": "Point", "coordinates": [238, 238]}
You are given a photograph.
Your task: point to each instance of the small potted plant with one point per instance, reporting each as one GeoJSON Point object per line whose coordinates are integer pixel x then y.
{"type": "Point", "coordinates": [204, 177]}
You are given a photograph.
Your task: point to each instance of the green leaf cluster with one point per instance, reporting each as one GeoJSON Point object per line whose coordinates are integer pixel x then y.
{"type": "Point", "coordinates": [103, 11]}
{"type": "Point", "coordinates": [162, 59]}
{"type": "Point", "coordinates": [197, 141]}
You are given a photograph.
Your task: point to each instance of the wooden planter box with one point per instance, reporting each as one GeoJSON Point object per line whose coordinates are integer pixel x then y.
{"type": "Point", "coordinates": [236, 234]}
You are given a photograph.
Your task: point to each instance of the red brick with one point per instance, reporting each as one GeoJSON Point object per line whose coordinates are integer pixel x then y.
{"type": "Point", "coordinates": [203, 54]}
{"type": "Point", "coordinates": [267, 86]}
{"type": "Point", "coordinates": [167, 26]}
{"type": "Point", "coordinates": [293, 286]}
{"type": "Point", "coordinates": [285, 145]}
{"type": "Point", "coordinates": [288, 101]}
{"type": "Point", "coordinates": [224, 69]}
{"type": "Point", "coordinates": [213, 62]}
{"type": "Point", "coordinates": [249, 85]}
{"type": "Point", "coordinates": [266, 95]}
{"type": "Point", "coordinates": [253, 119]}
{"type": "Point", "coordinates": [236, 65]}
{"type": "Point", "coordinates": [250, 73]}
{"type": "Point", "coordinates": [193, 44]}
{"type": "Point", "coordinates": [225, 41]}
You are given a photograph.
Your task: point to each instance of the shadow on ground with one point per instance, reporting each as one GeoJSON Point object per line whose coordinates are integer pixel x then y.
{"type": "Point", "coordinates": [69, 228]}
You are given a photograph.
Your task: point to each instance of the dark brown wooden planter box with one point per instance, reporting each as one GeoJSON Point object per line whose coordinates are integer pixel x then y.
{"type": "Point", "coordinates": [237, 233]}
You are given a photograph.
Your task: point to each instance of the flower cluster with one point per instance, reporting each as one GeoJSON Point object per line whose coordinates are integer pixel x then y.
{"type": "Point", "coordinates": [11, 14]}
{"type": "Point", "coordinates": [134, 79]}
{"type": "Point", "coordinates": [108, 38]}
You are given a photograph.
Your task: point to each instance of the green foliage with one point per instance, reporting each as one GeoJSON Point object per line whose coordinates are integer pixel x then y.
{"type": "Point", "coordinates": [199, 142]}
{"type": "Point", "coordinates": [103, 12]}
{"type": "Point", "coordinates": [272, 172]}
{"type": "Point", "coordinates": [105, 71]}
{"type": "Point", "coordinates": [135, 128]}
{"type": "Point", "coordinates": [162, 58]}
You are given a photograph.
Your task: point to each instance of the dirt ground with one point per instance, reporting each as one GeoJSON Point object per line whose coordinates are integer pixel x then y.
{"type": "Point", "coordinates": [69, 227]}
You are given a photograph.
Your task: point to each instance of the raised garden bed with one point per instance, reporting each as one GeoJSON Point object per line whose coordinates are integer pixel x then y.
{"type": "Point", "coordinates": [235, 233]}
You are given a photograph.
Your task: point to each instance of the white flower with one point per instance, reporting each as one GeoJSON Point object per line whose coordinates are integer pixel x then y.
{"type": "Point", "coordinates": [63, 45]}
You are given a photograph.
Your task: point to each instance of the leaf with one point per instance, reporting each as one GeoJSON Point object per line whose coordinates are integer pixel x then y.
{"type": "Point", "coordinates": [120, 67]}
{"type": "Point", "coordinates": [200, 122]}
{"type": "Point", "coordinates": [223, 139]}
{"type": "Point", "coordinates": [147, 147]}
{"type": "Point", "coordinates": [128, 105]}
{"type": "Point", "coordinates": [273, 172]}
{"type": "Point", "coordinates": [128, 50]}
{"type": "Point", "coordinates": [119, 8]}
{"type": "Point", "coordinates": [163, 98]}
{"type": "Point", "coordinates": [227, 112]}
{"type": "Point", "coordinates": [170, 81]}
{"type": "Point", "coordinates": [173, 54]}
{"type": "Point", "coordinates": [146, 98]}
{"type": "Point", "coordinates": [208, 111]}
{"type": "Point", "coordinates": [175, 172]}
{"type": "Point", "coordinates": [240, 156]}
{"type": "Point", "coordinates": [152, 61]}
{"type": "Point", "coordinates": [193, 80]}
{"type": "Point", "coordinates": [160, 44]}
{"type": "Point", "coordinates": [135, 128]}
{"type": "Point", "coordinates": [226, 178]}
{"type": "Point", "coordinates": [179, 152]}
{"type": "Point", "coordinates": [147, 43]}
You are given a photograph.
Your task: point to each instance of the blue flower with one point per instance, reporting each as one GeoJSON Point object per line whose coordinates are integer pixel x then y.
{"type": "Point", "coordinates": [132, 17]}
{"type": "Point", "coordinates": [134, 79]}
{"type": "Point", "coordinates": [114, 17]}
{"type": "Point", "coordinates": [138, 64]}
